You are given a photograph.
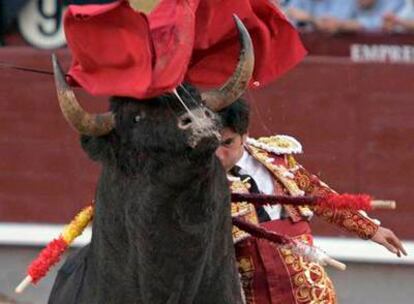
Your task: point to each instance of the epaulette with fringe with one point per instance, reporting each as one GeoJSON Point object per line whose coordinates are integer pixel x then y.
{"type": "Point", "coordinates": [277, 144]}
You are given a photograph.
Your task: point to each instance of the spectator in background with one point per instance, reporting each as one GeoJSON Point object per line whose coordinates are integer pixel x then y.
{"type": "Point", "coordinates": [402, 21]}
{"type": "Point", "coordinates": [343, 16]}
{"type": "Point", "coordinates": [369, 14]}
{"type": "Point", "coordinates": [311, 13]}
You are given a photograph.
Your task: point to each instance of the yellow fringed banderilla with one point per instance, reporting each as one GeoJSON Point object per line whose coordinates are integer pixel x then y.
{"type": "Point", "coordinates": [78, 224]}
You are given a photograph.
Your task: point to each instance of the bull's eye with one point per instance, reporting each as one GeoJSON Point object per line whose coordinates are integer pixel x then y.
{"type": "Point", "coordinates": [139, 116]}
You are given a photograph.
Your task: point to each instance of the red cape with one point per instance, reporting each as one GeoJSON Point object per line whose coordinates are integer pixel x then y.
{"type": "Point", "coordinates": [118, 51]}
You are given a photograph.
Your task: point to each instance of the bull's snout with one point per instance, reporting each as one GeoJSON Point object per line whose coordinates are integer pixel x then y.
{"type": "Point", "coordinates": [201, 123]}
{"type": "Point", "coordinates": [197, 118]}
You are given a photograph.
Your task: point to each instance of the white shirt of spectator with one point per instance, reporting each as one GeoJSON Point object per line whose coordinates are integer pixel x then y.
{"type": "Point", "coordinates": [263, 179]}
{"type": "Point", "coordinates": [407, 12]}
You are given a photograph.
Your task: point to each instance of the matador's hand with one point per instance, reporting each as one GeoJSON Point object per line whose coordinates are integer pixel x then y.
{"type": "Point", "coordinates": [388, 239]}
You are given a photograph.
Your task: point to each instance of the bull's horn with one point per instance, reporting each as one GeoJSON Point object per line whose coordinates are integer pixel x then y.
{"type": "Point", "coordinates": [218, 99]}
{"type": "Point", "coordinates": [84, 122]}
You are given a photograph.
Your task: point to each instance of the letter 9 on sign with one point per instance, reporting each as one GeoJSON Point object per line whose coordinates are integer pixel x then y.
{"type": "Point", "coordinates": [40, 23]}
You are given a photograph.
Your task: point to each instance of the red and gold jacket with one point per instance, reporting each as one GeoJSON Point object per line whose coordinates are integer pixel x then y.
{"type": "Point", "coordinates": [276, 154]}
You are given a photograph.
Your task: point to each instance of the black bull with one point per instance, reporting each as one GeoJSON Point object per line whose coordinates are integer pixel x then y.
{"type": "Point", "coordinates": [161, 232]}
{"type": "Point", "coordinates": [162, 225]}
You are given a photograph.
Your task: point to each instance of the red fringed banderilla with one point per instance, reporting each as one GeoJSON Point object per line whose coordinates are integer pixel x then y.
{"type": "Point", "coordinates": [50, 255]}
{"type": "Point", "coordinates": [330, 201]}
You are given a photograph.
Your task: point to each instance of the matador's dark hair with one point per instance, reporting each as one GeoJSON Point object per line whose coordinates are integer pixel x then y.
{"type": "Point", "coordinates": [236, 116]}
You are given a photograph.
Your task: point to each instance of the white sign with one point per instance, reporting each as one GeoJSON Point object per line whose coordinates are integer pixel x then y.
{"type": "Point", "coordinates": [382, 53]}
{"type": "Point", "coordinates": [40, 23]}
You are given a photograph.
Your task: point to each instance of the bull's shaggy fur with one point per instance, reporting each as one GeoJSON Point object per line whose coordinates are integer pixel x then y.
{"type": "Point", "coordinates": [162, 227]}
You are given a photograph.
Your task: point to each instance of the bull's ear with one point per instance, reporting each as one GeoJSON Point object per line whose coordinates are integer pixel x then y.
{"type": "Point", "coordinates": [97, 148]}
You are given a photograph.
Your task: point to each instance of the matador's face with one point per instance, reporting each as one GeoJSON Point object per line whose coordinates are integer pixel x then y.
{"type": "Point", "coordinates": [231, 148]}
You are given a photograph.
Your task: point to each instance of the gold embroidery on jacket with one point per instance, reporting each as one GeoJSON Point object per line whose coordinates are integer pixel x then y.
{"type": "Point", "coordinates": [286, 178]}
{"type": "Point", "coordinates": [310, 282]}
{"type": "Point", "coordinates": [246, 270]}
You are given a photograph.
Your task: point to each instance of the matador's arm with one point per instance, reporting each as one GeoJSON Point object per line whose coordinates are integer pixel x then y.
{"type": "Point", "coordinates": [353, 221]}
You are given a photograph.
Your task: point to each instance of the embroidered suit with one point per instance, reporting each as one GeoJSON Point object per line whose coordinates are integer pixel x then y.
{"type": "Point", "coordinates": [272, 275]}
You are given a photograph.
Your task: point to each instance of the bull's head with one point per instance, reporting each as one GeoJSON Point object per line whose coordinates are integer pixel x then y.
{"type": "Point", "coordinates": [187, 111]}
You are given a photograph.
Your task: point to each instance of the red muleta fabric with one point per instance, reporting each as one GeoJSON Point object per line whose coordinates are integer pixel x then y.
{"type": "Point", "coordinates": [118, 51]}
{"type": "Point", "coordinates": [111, 53]}
{"type": "Point", "coordinates": [276, 43]}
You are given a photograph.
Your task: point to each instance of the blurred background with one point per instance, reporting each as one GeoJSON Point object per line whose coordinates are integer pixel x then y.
{"type": "Point", "coordinates": [350, 103]}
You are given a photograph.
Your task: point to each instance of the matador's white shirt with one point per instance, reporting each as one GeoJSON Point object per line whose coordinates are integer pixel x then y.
{"type": "Point", "coordinates": [263, 179]}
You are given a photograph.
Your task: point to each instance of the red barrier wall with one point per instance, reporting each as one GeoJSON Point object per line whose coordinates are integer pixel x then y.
{"type": "Point", "coordinates": [44, 175]}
